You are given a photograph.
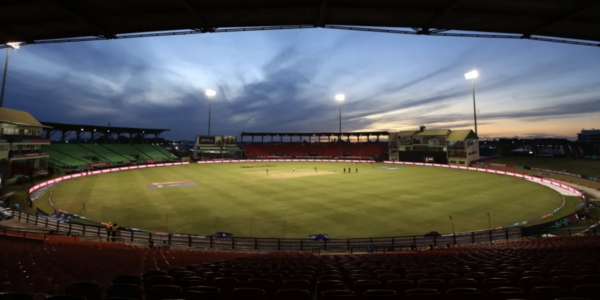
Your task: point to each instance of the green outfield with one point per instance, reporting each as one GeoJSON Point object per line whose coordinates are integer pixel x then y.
{"type": "Point", "coordinates": [241, 198]}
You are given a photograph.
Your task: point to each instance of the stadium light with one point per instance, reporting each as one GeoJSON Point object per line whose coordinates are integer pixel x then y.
{"type": "Point", "coordinates": [209, 94]}
{"type": "Point", "coordinates": [472, 76]}
{"type": "Point", "coordinates": [11, 45]}
{"type": "Point", "coordinates": [340, 98]}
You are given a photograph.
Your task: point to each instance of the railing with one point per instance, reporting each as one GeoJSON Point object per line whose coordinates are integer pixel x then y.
{"type": "Point", "coordinates": [380, 244]}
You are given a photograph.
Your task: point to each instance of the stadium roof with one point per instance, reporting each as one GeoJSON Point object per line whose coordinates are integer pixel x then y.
{"type": "Point", "coordinates": [94, 128]}
{"type": "Point", "coordinates": [55, 21]}
{"type": "Point", "coordinates": [461, 135]}
{"type": "Point", "coordinates": [18, 117]}
{"type": "Point", "coordinates": [305, 134]}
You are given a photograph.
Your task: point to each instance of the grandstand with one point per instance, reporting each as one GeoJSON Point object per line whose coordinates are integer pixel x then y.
{"type": "Point", "coordinates": [315, 145]}
{"type": "Point", "coordinates": [530, 269]}
{"type": "Point", "coordinates": [94, 146]}
{"type": "Point", "coordinates": [21, 146]}
{"type": "Point", "coordinates": [458, 147]}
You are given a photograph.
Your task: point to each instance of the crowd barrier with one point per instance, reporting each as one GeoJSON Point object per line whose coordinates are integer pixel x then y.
{"type": "Point", "coordinates": [509, 232]}
{"type": "Point", "coordinates": [271, 244]}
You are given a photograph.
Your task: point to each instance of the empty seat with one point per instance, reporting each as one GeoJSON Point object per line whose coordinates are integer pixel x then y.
{"type": "Point", "coordinates": [400, 285]}
{"type": "Point", "coordinates": [15, 296]}
{"type": "Point", "coordinates": [88, 290]}
{"type": "Point", "coordinates": [242, 277]}
{"type": "Point", "coordinates": [226, 284]}
{"type": "Point", "coordinates": [464, 283]}
{"type": "Point", "coordinates": [464, 294]}
{"type": "Point", "coordinates": [336, 294]}
{"type": "Point", "coordinates": [528, 283]}
{"type": "Point", "coordinates": [292, 294]}
{"type": "Point", "coordinates": [504, 293]}
{"type": "Point", "coordinates": [590, 291]}
{"type": "Point", "coordinates": [296, 284]}
{"type": "Point", "coordinates": [567, 282]}
{"type": "Point", "coordinates": [380, 294]}
{"type": "Point", "coordinates": [248, 294]}
{"type": "Point", "coordinates": [494, 282]}
{"type": "Point", "coordinates": [157, 280]}
{"type": "Point", "coordinates": [124, 290]}
{"type": "Point", "coordinates": [437, 284]}
{"type": "Point", "coordinates": [202, 295]}
{"type": "Point", "coordinates": [588, 279]}
{"type": "Point", "coordinates": [261, 283]}
{"type": "Point", "coordinates": [160, 292]}
{"type": "Point", "coordinates": [65, 297]}
{"type": "Point", "coordinates": [129, 279]}
{"type": "Point", "coordinates": [187, 282]}
{"type": "Point", "coordinates": [422, 294]}
{"type": "Point", "coordinates": [148, 274]}
{"type": "Point", "coordinates": [547, 293]}
{"type": "Point", "coordinates": [362, 286]}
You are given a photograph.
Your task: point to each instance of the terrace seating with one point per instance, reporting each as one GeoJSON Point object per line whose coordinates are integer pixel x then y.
{"type": "Point", "coordinates": [153, 152]}
{"type": "Point", "coordinates": [63, 158]}
{"type": "Point", "coordinates": [105, 153]}
{"type": "Point", "coordinates": [87, 269]}
{"type": "Point", "coordinates": [73, 150]}
{"type": "Point", "coordinates": [128, 151]}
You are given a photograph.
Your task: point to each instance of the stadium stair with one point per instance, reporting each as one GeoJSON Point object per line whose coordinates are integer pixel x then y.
{"type": "Point", "coordinates": [106, 153]}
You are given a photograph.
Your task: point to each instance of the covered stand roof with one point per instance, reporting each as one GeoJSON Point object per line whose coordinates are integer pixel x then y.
{"type": "Point", "coordinates": [305, 134]}
{"type": "Point", "coordinates": [18, 117]}
{"type": "Point", "coordinates": [56, 21]}
{"type": "Point", "coordinates": [113, 129]}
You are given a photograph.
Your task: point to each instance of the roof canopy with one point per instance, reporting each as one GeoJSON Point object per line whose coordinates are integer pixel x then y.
{"type": "Point", "coordinates": [52, 21]}
{"type": "Point", "coordinates": [94, 128]}
{"type": "Point", "coordinates": [307, 134]}
{"type": "Point", "coordinates": [18, 117]}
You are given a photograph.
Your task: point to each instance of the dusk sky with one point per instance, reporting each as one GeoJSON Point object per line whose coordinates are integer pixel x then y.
{"type": "Point", "coordinates": [286, 81]}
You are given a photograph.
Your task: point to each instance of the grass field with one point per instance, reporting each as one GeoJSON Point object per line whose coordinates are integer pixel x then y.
{"type": "Point", "coordinates": [578, 166]}
{"type": "Point", "coordinates": [242, 199]}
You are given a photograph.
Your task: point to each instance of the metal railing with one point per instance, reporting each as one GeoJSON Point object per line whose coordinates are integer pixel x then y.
{"type": "Point", "coordinates": [272, 244]}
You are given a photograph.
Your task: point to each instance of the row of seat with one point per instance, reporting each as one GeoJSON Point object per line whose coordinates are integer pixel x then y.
{"type": "Point", "coordinates": [367, 150]}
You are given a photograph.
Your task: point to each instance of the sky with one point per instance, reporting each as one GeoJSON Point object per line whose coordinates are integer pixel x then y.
{"type": "Point", "coordinates": [286, 80]}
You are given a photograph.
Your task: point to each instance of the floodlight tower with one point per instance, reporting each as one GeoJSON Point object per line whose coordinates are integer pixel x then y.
{"type": "Point", "coordinates": [210, 94]}
{"type": "Point", "coordinates": [340, 98]}
{"type": "Point", "coordinates": [13, 45]}
{"type": "Point", "coordinates": [472, 76]}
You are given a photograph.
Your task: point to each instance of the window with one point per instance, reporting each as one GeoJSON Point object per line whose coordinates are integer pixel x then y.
{"type": "Point", "coordinates": [10, 131]}
{"type": "Point", "coordinates": [4, 147]}
{"type": "Point", "coordinates": [27, 132]}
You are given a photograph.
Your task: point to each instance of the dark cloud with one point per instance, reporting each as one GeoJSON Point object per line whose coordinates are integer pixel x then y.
{"type": "Point", "coordinates": [126, 85]}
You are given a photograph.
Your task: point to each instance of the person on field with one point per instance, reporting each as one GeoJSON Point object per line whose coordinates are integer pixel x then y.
{"type": "Point", "coordinates": [316, 169]}
{"type": "Point", "coordinates": [344, 170]}
{"type": "Point", "coordinates": [267, 171]}
{"type": "Point", "coordinates": [356, 170]}
{"type": "Point", "coordinates": [294, 170]}
{"type": "Point", "coordinates": [165, 245]}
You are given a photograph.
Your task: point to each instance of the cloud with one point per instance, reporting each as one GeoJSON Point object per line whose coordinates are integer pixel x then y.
{"type": "Point", "coordinates": [286, 82]}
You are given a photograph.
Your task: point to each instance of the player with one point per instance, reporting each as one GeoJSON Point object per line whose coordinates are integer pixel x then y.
{"type": "Point", "coordinates": [315, 169]}
{"type": "Point", "coordinates": [294, 170]}
{"type": "Point", "coordinates": [344, 170]}
{"type": "Point", "coordinates": [267, 171]}
{"type": "Point", "coordinates": [356, 170]}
